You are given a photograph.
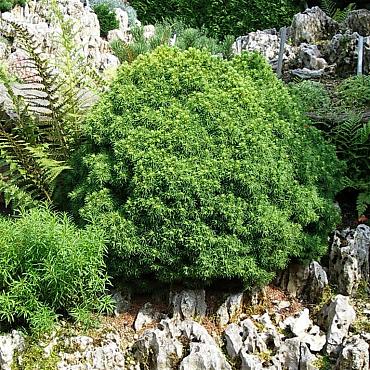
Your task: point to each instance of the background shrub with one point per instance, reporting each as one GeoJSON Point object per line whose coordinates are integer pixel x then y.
{"type": "Point", "coordinates": [107, 18]}
{"type": "Point", "coordinates": [234, 17]}
{"type": "Point", "coordinates": [164, 32]}
{"type": "Point", "coordinates": [201, 168]}
{"type": "Point", "coordinates": [6, 5]}
{"type": "Point", "coordinates": [49, 267]}
{"type": "Point", "coordinates": [131, 12]}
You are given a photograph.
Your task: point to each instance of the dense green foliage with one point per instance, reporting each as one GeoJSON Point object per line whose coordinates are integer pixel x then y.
{"type": "Point", "coordinates": [343, 115]}
{"type": "Point", "coordinates": [164, 35]}
{"type": "Point", "coordinates": [107, 18]}
{"type": "Point", "coordinates": [6, 5]}
{"type": "Point", "coordinates": [131, 12]}
{"type": "Point", "coordinates": [234, 17]}
{"type": "Point", "coordinates": [49, 267]}
{"type": "Point", "coordinates": [201, 168]}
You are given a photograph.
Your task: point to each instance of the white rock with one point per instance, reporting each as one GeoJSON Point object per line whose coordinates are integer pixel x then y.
{"type": "Point", "coordinates": [9, 343]}
{"type": "Point", "coordinates": [228, 311]}
{"type": "Point", "coordinates": [250, 362]}
{"type": "Point", "coordinates": [234, 343]}
{"type": "Point", "coordinates": [145, 316]}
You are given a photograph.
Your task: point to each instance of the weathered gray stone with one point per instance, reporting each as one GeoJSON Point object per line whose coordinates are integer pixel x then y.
{"type": "Point", "coordinates": [234, 340]}
{"type": "Point", "coordinates": [358, 21]}
{"type": "Point", "coordinates": [312, 25]}
{"type": "Point", "coordinates": [306, 74]}
{"type": "Point", "coordinates": [311, 57]}
{"type": "Point", "coordinates": [337, 318]}
{"type": "Point", "coordinates": [232, 306]}
{"type": "Point", "coordinates": [355, 355]}
{"type": "Point", "coordinates": [188, 304]}
{"type": "Point", "coordinates": [146, 315]}
{"type": "Point", "coordinates": [295, 355]}
{"type": "Point", "coordinates": [349, 259]}
{"type": "Point", "coordinates": [250, 362]}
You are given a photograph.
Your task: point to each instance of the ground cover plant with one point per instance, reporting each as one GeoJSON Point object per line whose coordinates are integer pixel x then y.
{"type": "Point", "coordinates": [49, 268]}
{"type": "Point", "coordinates": [200, 168]}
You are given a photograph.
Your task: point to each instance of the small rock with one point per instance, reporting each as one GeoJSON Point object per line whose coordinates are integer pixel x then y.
{"type": "Point", "coordinates": [230, 308]}
{"type": "Point", "coordinates": [337, 318]}
{"type": "Point", "coordinates": [234, 342]}
{"type": "Point", "coordinates": [250, 362]}
{"type": "Point", "coordinates": [9, 344]}
{"type": "Point", "coordinates": [188, 304]}
{"type": "Point", "coordinates": [146, 315]}
{"type": "Point", "coordinates": [355, 355]}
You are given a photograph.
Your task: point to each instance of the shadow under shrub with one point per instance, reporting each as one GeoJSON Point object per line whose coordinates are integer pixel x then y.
{"type": "Point", "coordinates": [49, 267]}
{"type": "Point", "coordinates": [201, 169]}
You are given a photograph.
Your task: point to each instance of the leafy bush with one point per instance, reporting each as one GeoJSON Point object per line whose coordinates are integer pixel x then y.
{"type": "Point", "coordinates": [49, 267]}
{"type": "Point", "coordinates": [107, 18]}
{"type": "Point", "coordinates": [342, 113]}
{"type": "Point", "coordinates": [221, 18]}
{"type": "Point", "coordinates": [6, 5]}
{"type": "Point", "coordinates": [185, 38]}
{"type": "Point", "coordinates": [200, 168]}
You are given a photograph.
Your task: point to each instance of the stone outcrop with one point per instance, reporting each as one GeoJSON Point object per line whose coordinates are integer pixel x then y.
{"type": "Point", "coordinates": [355, 354]}
{"type": "Point", "coordinates": [9, 345]}
{"type": "Point", "coordinates": [317, 45]}
{"type": "Point", "coordinates": [349, 259]}
{"type": "Point", "coordinates": [231, 308]}
{"type": "Point", "coordinates": [188, 304]}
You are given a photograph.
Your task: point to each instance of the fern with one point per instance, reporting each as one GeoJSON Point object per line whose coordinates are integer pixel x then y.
{"type": "Point", "coordinates": [331, 9]}
{"type": "Point", "coordinates": [40, 116]}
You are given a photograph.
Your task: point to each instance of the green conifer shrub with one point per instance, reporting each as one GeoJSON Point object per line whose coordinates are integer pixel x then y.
{"type": "Point", "coordinates": [107, 18]}
{"type": "Point", "coordinates": [200, 168]}
{"type": "Point", "coordinates": [6, 5]}
{"type": "Point", "coordinates": [49, 268]}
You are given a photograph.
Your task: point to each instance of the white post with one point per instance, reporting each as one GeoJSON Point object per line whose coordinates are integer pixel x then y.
{"type": "Point", "coordinates": [282, 34]}
{"type": "Point", "coordinates": [360, 54]}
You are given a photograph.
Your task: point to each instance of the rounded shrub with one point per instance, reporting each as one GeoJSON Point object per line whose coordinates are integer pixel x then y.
{"type": "Point", "coordinates": [200, 168]}
{"type": "Point", "coordinates": [48, 268]}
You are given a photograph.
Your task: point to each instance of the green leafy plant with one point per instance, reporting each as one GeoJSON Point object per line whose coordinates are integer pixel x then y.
{"type": "Point", "coordinates": [165, 33]}
{"type": "Point", "coordinates": [6, 5]}
{"type": "Point", "coordinates": [220, 18]}
{"type": "Point", "coordinates": [200, 168]}
{"type": "Point", "coordinates": [113, 4]}
{"type": "Point", "coordinates": [332, 10]}
{"type": "Point", "coordinates": [107, 18]}
{"type": "Point", "coordinates": [49, 268]}
{"type": "Point", "coordinates": [41, 112]}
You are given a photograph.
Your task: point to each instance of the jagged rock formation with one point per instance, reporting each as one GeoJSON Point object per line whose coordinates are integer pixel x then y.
{"type": "Point", "coordinates": [317, 44]}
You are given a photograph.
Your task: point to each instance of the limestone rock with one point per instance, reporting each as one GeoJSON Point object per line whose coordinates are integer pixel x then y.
{"type": "Point", "coordinates": [311, 57]}
{"type": "Point", "coordinates": [146, 315]}
{"type": "Point", "coordinates": [252, 341]}
{"type": "Point", "coordinates": [312, 25]}
{"type": "Point", "coordinates": [337, 318]}
{"type": "Point", "coordinates": [305, 73]}
{"type": "Point", "coordinates": [250, 362]}
{"type": "Point", "coordinates": [295, 355]}
{"type": "Point", "coordinates": [188, 304]}
{"type": "Point", "coordinates": [9, 344]}
{"type": "Point", "coordinates": [267, 43]}
{"type": "Point", "coordinates": [234, 342]}
{"type": "Point", "coordinates": [355, 355]}
{"type": "Point", "coordinates": [358, 21]}
{"type": "Point", "coordinates": [122, 302]}
{"type": "Point", "coordinates": [230, 308]}
{"type": "Point", "coordinates": [204, 357]}
{"type": "Point", "coordinates": [349, 259]}
{"type": "Point", "coordinates": [304, 281]}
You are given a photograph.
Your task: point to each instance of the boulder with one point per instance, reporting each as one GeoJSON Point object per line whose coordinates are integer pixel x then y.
{"type": "Point", "coordinates": [312, 25]}
{"type": "Point", "coordinates": [146, 315]}
{"type": "Point", "coordinates": [234, 340]}
{"type": "Point", "coordinates": [295, 355]}
{"type": "Point", "coordinates": [311, 57]}
{"type": "Point", "coordinates": [188, 304]}
{"type": "Point", "coordinates": [232, 306]}
{"type": "Point", "coordinates": [358, 21]}
{"type": "Point", "coordinates": [306, 282]}
{"type": "Point", "coordinates": [349, 259]}
{"type": "Point", "coordinates": [337, 318]}
{"type": "Point", "coordinates": [250, 362]}
{"type": "Point", "coordinates": [355, 355]}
